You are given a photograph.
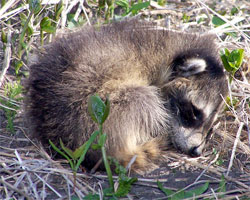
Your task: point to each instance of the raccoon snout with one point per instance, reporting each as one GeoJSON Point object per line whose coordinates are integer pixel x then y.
{"type": "Point", "coordinates": [195, 151]}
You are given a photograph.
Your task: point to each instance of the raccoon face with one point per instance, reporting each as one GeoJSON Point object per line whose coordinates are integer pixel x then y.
{"type": "Point", "coordinates": [193, 99]}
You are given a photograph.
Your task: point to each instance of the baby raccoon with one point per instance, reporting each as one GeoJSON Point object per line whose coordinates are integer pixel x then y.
{"type": "Point", "coordinates": [165, 88]}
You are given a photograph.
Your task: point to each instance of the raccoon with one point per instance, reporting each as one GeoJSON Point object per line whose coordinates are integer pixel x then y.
{"type": "Point", "coordinates": [164, 86]}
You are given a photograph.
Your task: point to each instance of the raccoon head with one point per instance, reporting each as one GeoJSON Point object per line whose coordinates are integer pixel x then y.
{"type": "Point", "coordinates": [193, 99]}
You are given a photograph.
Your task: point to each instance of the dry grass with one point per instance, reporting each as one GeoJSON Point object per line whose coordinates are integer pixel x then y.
{"type": "Point", "coordinates": [27, 172]}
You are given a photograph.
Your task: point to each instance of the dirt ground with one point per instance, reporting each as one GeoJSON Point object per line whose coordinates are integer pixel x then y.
{"type": "Point", "coordinates": [31, 173]}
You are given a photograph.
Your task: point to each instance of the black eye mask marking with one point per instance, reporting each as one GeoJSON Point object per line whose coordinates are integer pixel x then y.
{"type": "Point", "coordinates": [189, 115]}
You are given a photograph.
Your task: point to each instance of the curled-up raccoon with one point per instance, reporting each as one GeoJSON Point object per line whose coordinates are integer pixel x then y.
{"type": "Point", "coordinates": [165, 88]}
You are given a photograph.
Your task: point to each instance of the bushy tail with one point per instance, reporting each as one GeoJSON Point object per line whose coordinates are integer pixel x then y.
{"type": "Point", "coordinates": [148, 155]}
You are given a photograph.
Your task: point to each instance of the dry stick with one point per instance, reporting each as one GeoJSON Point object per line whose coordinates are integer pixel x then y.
{"type": "Point", "coordinates": [80, 187]}
{"type": "Point", "coordinates": [209, 165]}
{"type": "Point", "coordinates": [14, 189]}
{"type": "Point", "coordinates": [7, 55]}
{"type": "Point", "coordinates": [67, 8]}
{"type": "Point", "coordinates": [48, 185]}
{"type": "Point", "coordinates": [14, 12]}
{"type": "Point", "coordinates": [73, 184]}
{"type": "Point", "coordinates": [214, 194]}
{"type": "Point", "coordinates": [210, 170]}
{"type": "Point", "coordinates": [64, 13]}
{"type": "Point", "coordinates": [84, 11]}
{"type": "Point", "coordinates": [78, 12]}
{"type": "Point", "coordinates": [32, 185]}
{"type": "Point", "coordinates": [234, 147]}
{"type": "Point", "coordinates": [205, 196]}
{"type": "Point", "coordinates": [223, 18]}
{"type": "Point", "coordinates": [7, 6]}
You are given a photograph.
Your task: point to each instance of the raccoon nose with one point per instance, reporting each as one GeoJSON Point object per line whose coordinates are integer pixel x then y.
{"type": "Point", "coordinates": [195, 151]}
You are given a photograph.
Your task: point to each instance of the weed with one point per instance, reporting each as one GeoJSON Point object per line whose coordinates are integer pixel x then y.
{"type": "Point", "coordinates": [185, 18]}
{"type": "Point", "coordinates": [232, 60]}
{"type": "Point", "coordinates": [10, 104]}
{"type": "Point", "coordinates": [222, 186]}
{"type": "Point", "coordinates": [133, 8]}
{"type": "Point", "coordinates": [182, 194]}
{"type": "Point", "coordinates": [99, 112]}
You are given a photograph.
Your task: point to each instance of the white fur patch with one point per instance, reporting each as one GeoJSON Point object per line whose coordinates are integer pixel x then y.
{"type": "Point", "coordinates": [193, 66]}
{"type": "Point", "coordinates": [199, 64]}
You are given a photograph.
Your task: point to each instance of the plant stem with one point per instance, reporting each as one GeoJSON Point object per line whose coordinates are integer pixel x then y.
{"type": "Point", "coordinates": [107, 167]}
{"type": "Point", "coordinates": [41, 37]}
{"type": "Point", "coordinates": [21, 39]}
{"type": "Point", "coordinates": [106, 163]}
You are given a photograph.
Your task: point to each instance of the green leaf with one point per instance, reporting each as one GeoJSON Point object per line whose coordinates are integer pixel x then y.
{"type": "Point", "coordinates": [30, 30]}
{"type": "Point", "coordinates": [49, 29]}
{"type": "Point", "coordinates": [139, 6]}
{"type": "Point", "coordinates": [46, 26]}
{"type": "Point", "coordinates": [161, 2]}
{"type": "Point", "coordinates": [110, 2]}
{"type": "Point", "coordinates": [67, 150]}
{"type": "Point", "coordinates": [217, 21]}
{"type": "Point", "coordinates": [62, 153]}
{"type": "Point", "coordinates": [197, 191]}
{"type": "Point", "coordinates": [96, 109]}
{"type": "Point", "coordinates": [179, 195]}
{"type": "Point", "coordinates": [101, 3]}
{"type": "Point", "coordinates": [225, 63]}
{"type": "Point", "coordinates": [45, 22]}
{"type": "Point", "coordinates": [92, 197]}
{"type": "Point", "coordinates": [124, 187]}
{"type": "Point", "coordinates": [102, 139]}
{"type": "Point", "coordinates": [4, 37]}
{"type": "Point", "coordinates": [167, 192]}
{"type": "Point", "coordinates": [78, 152]}
{"type": "Point", "coordinates": [95, 146]}
{"type": "Point", "coordinates": [58, 10]}
{"type": "Point", "coordinates": [240, 58]}
{"type": "Point", "coordinates": [234, 11]}
{"type": "Point", "coordinates": [124, 4]}
{"type": "Point", "coordinates": [88, 144]}
{"type": "Point", "coordinates": [232, 61]}
{"type": "Point", "coordinates": [185, 18]}
{"type": "Point", "coordinates": [222, 185]}
{"type": "Point", "coordinates": [107, 109]}
{"type": "Point", "coordinates": [23, 18]}
{"type": "Point", "coordinates": [35, 6]}
{"type": "Point", "coordinates": [108, 192]}
{"type": "Point", "coordinates": [18, 65]}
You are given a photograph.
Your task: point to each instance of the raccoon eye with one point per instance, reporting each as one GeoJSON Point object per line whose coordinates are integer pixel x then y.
{"type": "Point", "coordinates": [190, 115]}
{"type": "Point", "coordinates": [186, 112]}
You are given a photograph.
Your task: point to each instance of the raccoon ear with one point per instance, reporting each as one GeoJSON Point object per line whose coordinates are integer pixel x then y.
{"type": "Point", "coordinates": [189, 67]}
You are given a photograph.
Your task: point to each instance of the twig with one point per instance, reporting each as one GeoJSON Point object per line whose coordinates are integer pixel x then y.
{"type": "Point", "coordinates": [223, 18]}
{"type": "Point", "coordinates": [84, 11]}
{"type": "Point", "coordinates": [14, 12]}
{"type": "Point", "coordinates": [234, 147]}
{"type": "Point", "coordinates": [50, 187]}
{"type": "Point", "coordinates": [58, 166]}
{"type": "Point", "coordinates": [203, 172]}
{"type": "Point", "coordinates": [64, 13]}
{"type": "Point", "coordinates": [7, 6]}
{"type": "Point", "coordinates": [7, 56]}
{"type": "Point", "coordinates": [15, 189]}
